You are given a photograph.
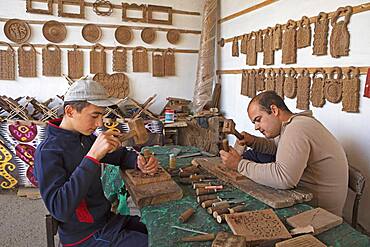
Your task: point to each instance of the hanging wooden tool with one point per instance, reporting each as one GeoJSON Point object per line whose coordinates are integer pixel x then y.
{"type": "Point", "coordinates": [158, 63]}
{"type": "Point", "coordinates": [279, 82]}
{"type": "Point", "coordinates": [123, 35]}
{"type": "Point", "coordinates": [351, 90]}
{"type": "Point", "coordinates": [51, 60]}
{"type": "Point", "coordinates": [320, 38]}
{"type": "Point", "coordinates": [235, 47]}
{"type": "Point", "coordinates": [289, 50]}
{"type": "Point", "coordinates": [259, 41]}
{"type": "Point", "coordinates": [304, 33]}
{"type": "Point", "coordinates": [97, 59]}
{"type": "Point", "coordinates": [91, 33]}
{"type": "Point", "coordinates": [148, 35]}
{"type": "Point", "coordinates": [80, 14]}
{"type": "Point", "coordinates": [116, 85]}
{"type": "Point", "coordinates": [333, 86]}
{"type": "Point", "coordinates": [251, 49]}
{"type": "Point", "coordinates": [140, 59]}
{"type": "Point", "coordinates": [173, 36]}
{"type": "Point", "coordinates": [54, 31]}
{"type": "Point", "coordinates": [268, 49]}
{"type": "Point", "coordinates": [169, 63]}
{"type": "Point", "coordinates": [270, 80]}
{"type": "Point", "coordinates": [303, 90]}
{"type": "Point", "coordinates": [317, 89]}
{"type": "Point", "coordinates": [290, 84]}
{"type": "Point", "coordinates": [27, 60]}
{"type": "Point", "coordinates": [243, 44]}
{"type": "Point", "coordinates": [119, 59]}
{"type": "Point", "coordinates": [277, 37]}
{"type": "Point", "coordinates": [339, 38]}
{"type": "Point", "coordinates": [260, 80]}
{"type": "Point", "coordinates": [30, 9]}
{"type": "Point", "coordinates": [17, 31]}
{"type": "Point", "coordinates": [7, 62]}
{"type": "Point", "coordinates": [75, 63]}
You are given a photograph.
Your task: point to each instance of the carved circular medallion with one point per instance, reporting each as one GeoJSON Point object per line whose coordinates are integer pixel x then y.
{"type": "Point", "coordinates": [54, 31]}
{"type": "Point", "coordinates": [17, 31]}
{"type": "Point", "coordinates": [123, 35]}
{"type": "Point", "coordinates": [91, 33]}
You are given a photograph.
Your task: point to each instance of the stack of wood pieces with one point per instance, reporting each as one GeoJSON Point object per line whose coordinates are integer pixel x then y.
{"type": "Point", "coordinates": [320, 219]}
{"type": "Point", "coordinates": [180, 106]}
{"type": "Point", "coordinates": [257, 226]}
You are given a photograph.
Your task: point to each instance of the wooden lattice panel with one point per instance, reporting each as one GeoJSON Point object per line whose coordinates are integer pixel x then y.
{"type": "Point", "coordinates": [119, 59]}
{"type": "Point", "coordinates": [138, 178]}
{"type": "Point", "coordinates": [257, 226]}
{"type": "Point", "coordinates": [7, 63]}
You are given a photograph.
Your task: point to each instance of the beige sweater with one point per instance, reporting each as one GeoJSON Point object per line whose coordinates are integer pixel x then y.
{"type": "Point", "coordinates": [308, 157]}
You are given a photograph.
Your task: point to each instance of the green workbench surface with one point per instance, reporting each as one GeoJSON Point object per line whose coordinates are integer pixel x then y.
{"type": "Point", "coordinates": [160, 218]}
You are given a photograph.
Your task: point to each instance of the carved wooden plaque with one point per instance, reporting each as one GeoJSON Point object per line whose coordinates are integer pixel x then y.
{"type": "Point", "coordinates": [120, 59]}
{"type": "Point", "coordinates": [304, 33]}
{"type": "Point", "coordinates": [257, 226]}
{"type": "Point", "coordinates": [80, 3]}
{"type": "Point", "coordinates": [51, 60]}
{"type": "Point", "coordinates": [235, 47]}
{"type": "Point", "coordinates": [155, 8]}
{"type": "Point", "coordinates": [126, 8]}
{"type": "Point", "coordinates": [158, 63]}
{"type": "Point", "coordinates": [140, 59]}
{"type": "Point", "coordinates": [244, 83]}
{"type": "Point", "coordinates": [333, 85]}
{"type": "Point", "coordinates": [303, 90]}
{"type": "Point", "coordinates": [75, 63]}
{"type": "Point", "coordinates": [351, 90]}
{"type": "Point", "coordinates": [251, 49]}
{"type": "Point", "coordinates": [17, 31]}
{"type": "Point", "coordinates": [268, 49]}
{"type": "Point", "coordinates": [339, 38]}
{"type": "Point", "coordinates": [289, 50]}
{"type": "Point", "coordinates": [279, 83]}
{"type": "Point", "coordinates": [317, 90]}
{"type": "Point", "coordinates": [260, 80]}
{"type": "Point", "coordinates": [320, 37]}
{"type": "Point", "coordinates": [169, 62]}
{"type": "Point", "coordinates": [290, 84]}
{"type": "Point", "coordinates": [259, 40]}
{"type": "Point", "coordinates": [137, 177]}
{"type": "Point", "coordinates": [97, 59]}
{"type": "Point", "coordinates": [270, 80]}
{"type": "Point", "coordinates": [277, 37]}
{"type": "Point", "coordinates": [116, 85]}
{"type": "Point", "coordinates": [27, 60]}
{"type": "Point", "coordinates": [243, 44]}
{"type": "Point", "coordinates": [7, 63]}
{"type": "Point", "coordinates": [304, 240]}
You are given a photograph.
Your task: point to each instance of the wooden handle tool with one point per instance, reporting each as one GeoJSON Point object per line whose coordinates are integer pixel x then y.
{"type": "Point", "coordinates": [199, 238]}
{"type": "Point", "coordinates": [186, 215]}
{"type": "Point", "coordinates": [225, 145]}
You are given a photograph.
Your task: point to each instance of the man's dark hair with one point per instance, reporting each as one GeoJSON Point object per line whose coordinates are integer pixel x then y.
{"type": "Point", "coordinates": [78, 105]}
{"type": "Point", "coordinates": [268, 98]}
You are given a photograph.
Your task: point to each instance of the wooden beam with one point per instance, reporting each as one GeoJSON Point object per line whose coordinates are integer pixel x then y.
{"type": "Point", "coordinates": [363, 70]}
{"type": "Point", "coordinates": [247, 10]}
{"type": "Point", "coordinates": [356, 9]}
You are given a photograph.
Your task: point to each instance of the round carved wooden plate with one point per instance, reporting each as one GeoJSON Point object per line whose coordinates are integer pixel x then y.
{"type": "Point", "coordinates": [17, 31]}
{"type": "Point", "coordinates": [173, 36]}
{"type": "Point", "coordinates": [148, 35]}
{"type": "Point", "coordinates": [91, 33]}
{"type": "Point", "coordinates": [54, 31]}
{"type": "Point", "coordinates": [123, 35]}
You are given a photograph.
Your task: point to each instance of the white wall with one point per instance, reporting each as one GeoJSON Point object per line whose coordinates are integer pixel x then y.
{"type": "Point", "coordinates": [142, 85]}
{"type": "Point", "coordinates": [351, 129]}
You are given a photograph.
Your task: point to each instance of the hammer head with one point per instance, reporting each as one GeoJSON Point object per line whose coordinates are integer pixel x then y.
{"type": "Point", "coordinates": [228, 126]}
{"type": "Point", "coordinates": [140, 133]}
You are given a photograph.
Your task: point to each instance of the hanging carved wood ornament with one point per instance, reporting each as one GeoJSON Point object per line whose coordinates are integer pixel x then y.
{"type": "Point", "coordinates": [7, 62]}
{"type": "Point", "coordinates": [97, 59]}
{"type": "Point", "coordinates": [270, 80]}
{"type": "Point", "coordinates": [103, 7]}
{"type": "Point", "coordinates": [75, 63]}
{"type": "Point", "coordinates": [140, 59]}
{"type": "Point", "coordinates": [126, 8]}
{"type": "Point", "coordinates": [169, 62]}
{"type": "Point", "coordinates": [119, 59]}
{"type": "Point", "coordinates": [235, 47]}
{"type": "Point", "coordinates": [290, 84]}
{"type": "Point", "coordinates": [48, 11]}
{"type": "Point", "coordinates": [289, 50]}
{"type": "Point", "coordinates": [154, 8]}
{"type": "Point", "coordinates": [333, 85]}
{"type": "Point", "coordinates": [80, 3]}
{"type": "Point", "coordinates": [259, 41]}
{"type": "Point", "coordinates": [51, 60]}
{"type": "Point", "coordinates": [27, 60]}
{"type": "Point", "coordinates": [17, 31]}
{"type": "Point", "coordinates": [317, 89]}
{"type": "Point", "coordinates": [260, 80]}
{"type": "Point", "coordinates": [268, 49]}
{"type": "Point", "coordinates": [339, 38]}
{"type": "Point", "coordinates": [243, 44]}
{"type": "Point", "coordinates": [320, 38]}
{"type": "Point", "coordinates": [279, 82]}
{"type": "Point", "coordinates": [303, 90]}
{"type": "Point", "coordinates": [158, 63]}
{"type": "Point", "coordinates": [351, 90]}
{"type": "Point", "coordinates": [251, 49]}
{"type": "Point", "coordinates": [304, 33]}
{"type": "Point", "coordinates": [277, 37]}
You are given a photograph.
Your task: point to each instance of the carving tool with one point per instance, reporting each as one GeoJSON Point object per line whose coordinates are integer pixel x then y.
{"type": "Point", "coordinates": [239, 208]}
{"type": "Point", "coordinates": [225, 145]}
{"type": "Point", "coordinates": [199, 238]}
{"type": "Point", "coordinates": [222, 205]}
{"type": "Point", "coordinates": [208, 203]}
{"type": "Point", "coordinates": [200, 185]}
{"type": "Point", "coordinates": [189, 230]}
{"type": "Point", "coordinates": [203, 198]}
{"type": "Point", "coordinates": [199, 177]}
{"type": "Point", "coordinates": [186, 215]}
{"type": "Point", "coordinates": [196, 154]}
{"type": "Point", "coordinates": [203, 191]}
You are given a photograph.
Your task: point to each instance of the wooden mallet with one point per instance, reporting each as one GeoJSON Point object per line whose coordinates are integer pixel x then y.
{"type": "Point", "coordinates": [229, 128]}
{"type": "Point", "coordinates": [137, 131]}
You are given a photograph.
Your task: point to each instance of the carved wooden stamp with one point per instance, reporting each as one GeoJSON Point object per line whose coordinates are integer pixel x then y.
{"type": "Point", "coordinates": [137, 177]}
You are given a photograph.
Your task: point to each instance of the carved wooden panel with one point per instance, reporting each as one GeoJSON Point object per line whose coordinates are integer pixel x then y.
{"type": "Point", "coordinates": [30, 9]}
{"type": "Point", "coordinates": [260, 79]}
{"type": "Point", "coordinates": [339, 38]}
{"type": "Point", "coordinates": [97, 59]}
{"type": "Point", "coordinates": [51, 60]}
{"type": "Point", "coordinates": [119, 59]}
{"type": "Point", "coordinates": [126, 7]}
{"type": "Point", "coordinates": [27, 60]}
{"type": "Point", "coordinates": [235, 47]}
{"type": "Point", "coordinates": [17, 31]}
{"type": "Point", "coordinates": [154, 8]}
{"type": "Point", "coordinates": [303, 90]}
{"type": "Point", "coordinates": [351, 90]}
{"type": "Point", "coordinates": [257, 226]}
{"type": "Point", "coordinates": [304, 240]}
{"type": "Point", "coordinates": [140, 59]}
{"type": "Point", "coordinates": [317, 90]}
{"type": "Point", "coordinates": [80, 3]}
{"type": "Point", "coordinates": [279, 83]}
{"type": "Point", "coordinates": [277, 37]}
{"type": "Point", "coordinates": [7, 63]}
{"type": "Point", "coordinates": [137, 177]}
{"type": "Point", "coordinates": [289, 47]}
{"type": "Point", "coordinates": [290, 84]}
{"type": "Point", "coordinates": [75, 63]}
{"type": "Point", "coordinates": [320, 37]}
{"type": "Point", "coordinates": [333, 86]}
{"type": "Point", "coordinates": [251, 49]}
{"type": "Point", "coordinates": [268, 49]}
{"type": "Point", "coordinates": [158, 63]}
{"type": "Point", "coordinates": [169, 62]}
{"type": "Point", "coordinates": [116, 85]}
{"type": "Point", "coordinates": [304, 33]}
{"type": "Point", "coordinates": [270, 80]}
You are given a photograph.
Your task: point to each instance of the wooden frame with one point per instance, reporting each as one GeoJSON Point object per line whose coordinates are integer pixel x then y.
{"type": "Point", "coordinates": [156, 8]}
{"type": "Point", "coordinates": [126, 7]}
{"type": "Point", "coordinates": [30, 9]}
{"type": "Point", "coordinates": [80, 15]}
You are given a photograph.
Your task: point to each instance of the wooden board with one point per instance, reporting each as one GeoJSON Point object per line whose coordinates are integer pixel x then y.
{"type": "Point", "coordinates": [257, 226]}
{"type": "Point", "coordinates": [139, 178]}
{"type": "Point", "coordinates": [224, 239]}
{"type": "Point", "coordinates": [229, 173]}
{"type": "Point", "coordinates": [275, 198]}
{"type": "Point", "coordinates": [153, 193]}
{"type": "Point", "coordinates": [301, 241]}
{"type": "Point", "coordinates": [319, 218]}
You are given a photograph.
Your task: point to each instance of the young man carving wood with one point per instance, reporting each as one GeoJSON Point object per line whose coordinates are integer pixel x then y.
{"type": "Point", "coordinates": [297, 151]}
{"type": "Point", "coordinates": [68, 171]}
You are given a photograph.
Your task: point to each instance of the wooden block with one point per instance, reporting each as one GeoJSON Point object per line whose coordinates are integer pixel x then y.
{"type": "Point", "coordinates": [319, 218]}
{"type": "Point", "coordinates": [257, 226]}
{"type": "Point", "coordinates": [137, 177]}
{"type": "Point", "coordinates": [302, 241]}
{"type": "Point", "coordinates": [275, 198]}
{"type": "Point", "coordinates": [224, 239]}
{"type": "Point", "coordinates": [152, 193]}
{"type": "Point", "coordinates": [232, 174]}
